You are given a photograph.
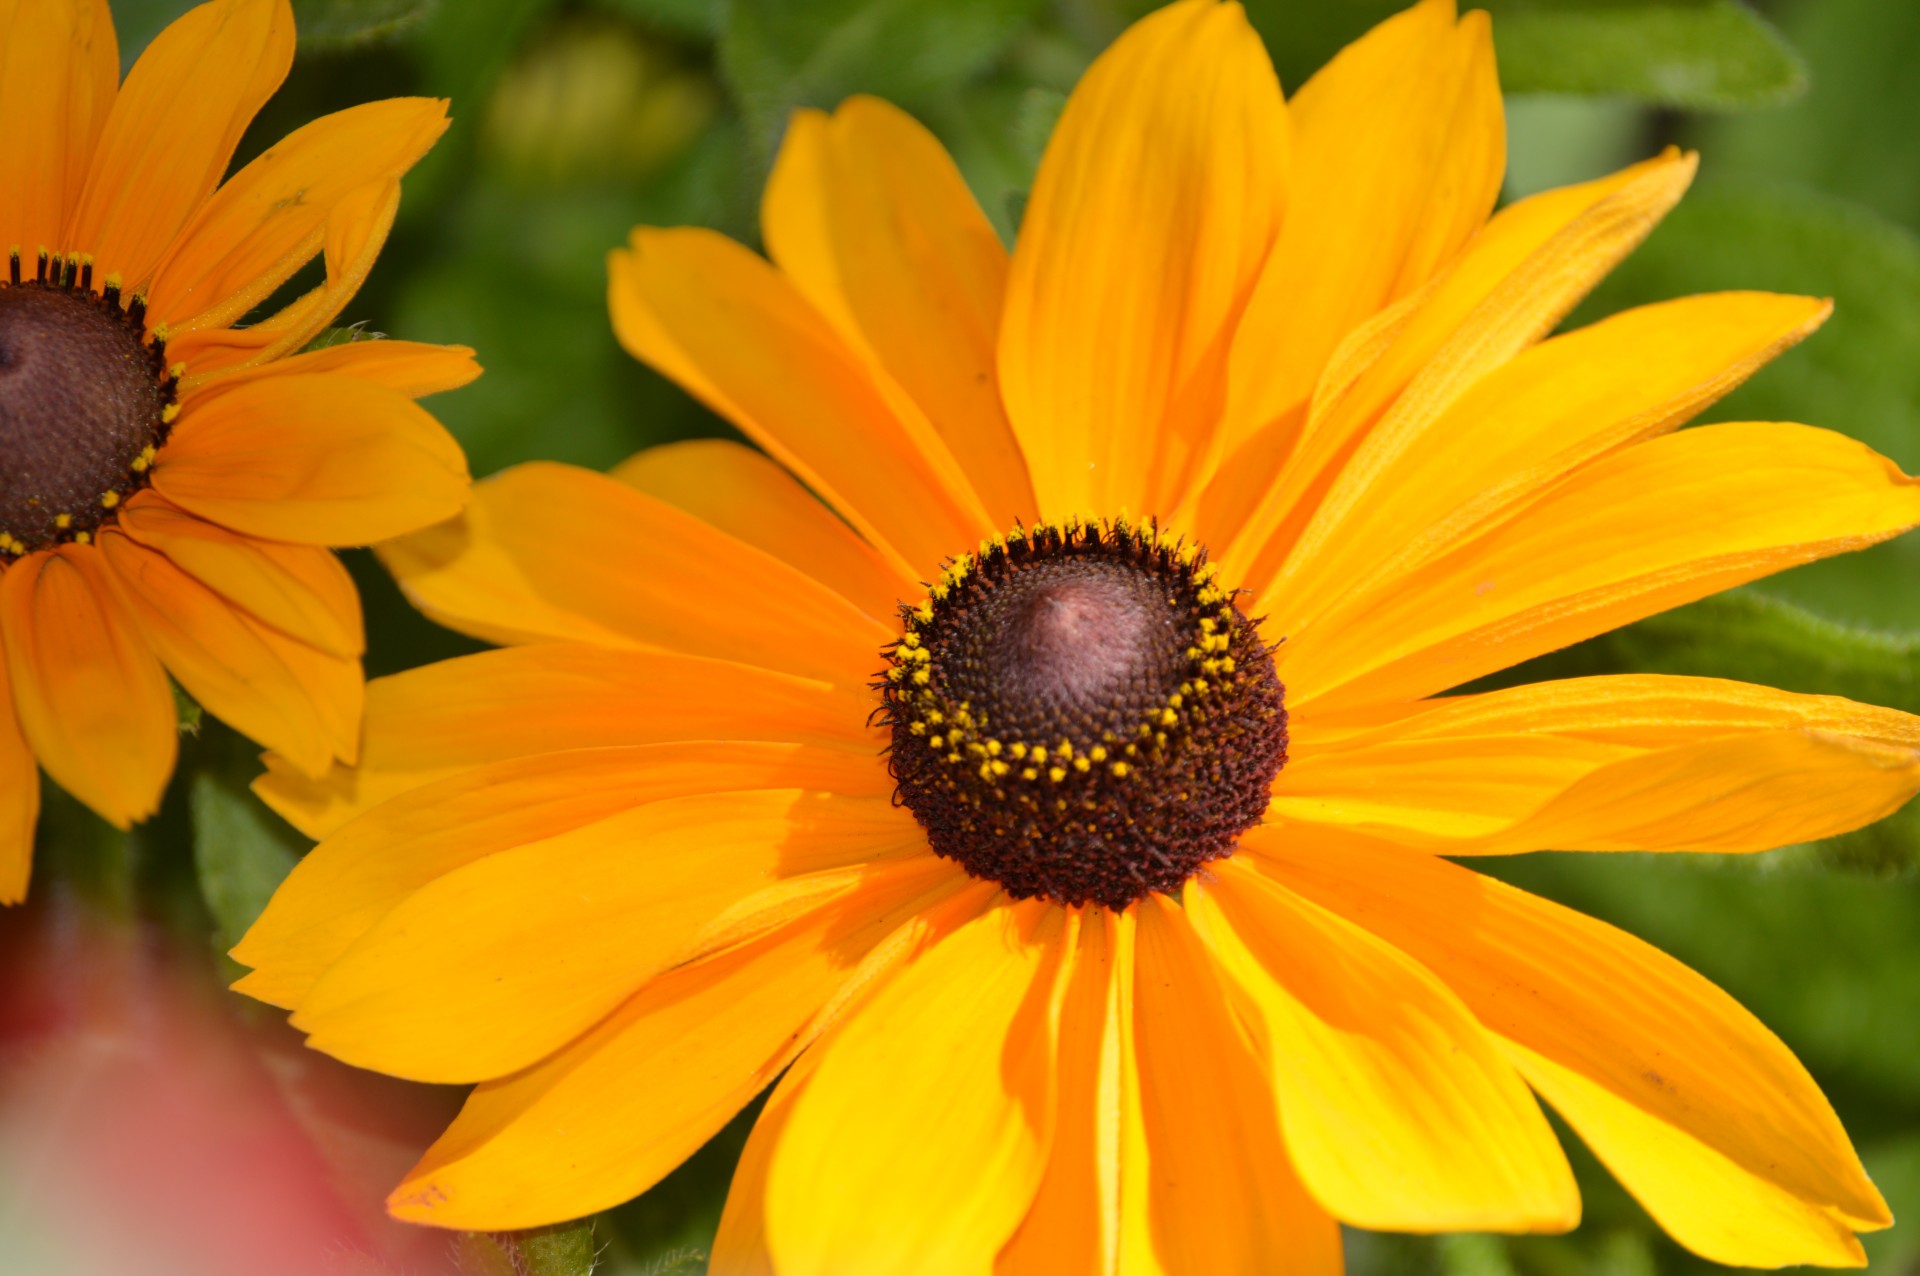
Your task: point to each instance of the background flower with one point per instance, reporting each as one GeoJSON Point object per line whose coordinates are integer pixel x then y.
{"type": "Point", "coordinates": [1808, 186]}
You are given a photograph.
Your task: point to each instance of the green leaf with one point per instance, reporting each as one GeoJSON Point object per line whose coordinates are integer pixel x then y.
{"type": "Point", "coordinates": [330, 25]}
{"type": "Point", "coordinates": [1857, 375]}
{"type": "Point", "coordinates": [1703, 54]}
{"type": "Point", "coordinates": [241, 851]}
{"type": "Point", "coordinates": [777, 55]}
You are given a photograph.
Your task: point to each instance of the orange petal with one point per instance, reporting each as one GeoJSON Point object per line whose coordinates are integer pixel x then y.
{"type": "Point", "coordinates": [1224, 1195]}
{"type": "Point", "coordinates": [1634, 533]}
{"type": "Point", "coordinates": [323, 460]}
{"type": "Point", "coordinates": [354, 877]}
{"type": "Point", "coordinates": [19, 800]}
{"type": "Point", "coordinates": [510, 956]}
{"type": "Point", "coordinates": [1704, 1115]}
{"type": "Point", "coordinates": [608, 1115]}
{"type": "Point", "coordinates": [1610, 763]}
{"type": "Point", "coordinates": [1073, 1226]}
{"type": "Point", "coordinates": [59, 70]}
{"type": "Point", "coordinates": [436, 721]}
{"type": "Point", "coordinates": [413, 368]}
{"type": "Point", "coordinates": [1410, 495]}
{"type": "Point", "coordinates": [221, 661]}
{"type": "Point", "coordinates": [356, 230]}
{"type": "Point", "coordinates": [91, 698]}
{"type": "Point", "coordinates": [739, 336]}
{"type": "Point", "coordinates": [553, 551]}
{"type": "Point", "coordinates": [921, 1137]}
{"type": "Point", "coordinates": [270, 218]}
{"type": "Point", "coordinates": [302, 590]}
{"type": "Point", "coordinates": [751, 499]}
{"type": "Point", "coordinates": [173, 129]}
{"type": "Point", "coordinates": [871, 220]}
{"type": "Point", "coordinates": [1399, 146]}
{"type": "Point", "coordinates": [1156, 203]}
{"type": "Point", "coordinates": [1398, 1110]}
{"type": "Point", "coordinates": [1517, 278]}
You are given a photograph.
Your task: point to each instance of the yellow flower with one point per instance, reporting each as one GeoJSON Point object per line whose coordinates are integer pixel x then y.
{"type": "Point", "coordinates": [1081, 943]}
{"type": "Point", "coordinates": [174, 469]}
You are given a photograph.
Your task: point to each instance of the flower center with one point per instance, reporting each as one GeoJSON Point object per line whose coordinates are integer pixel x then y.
{"type": "Point", "coordinates": [1081, 714]}
{"type": "Point", "coordinates": [85, 401]}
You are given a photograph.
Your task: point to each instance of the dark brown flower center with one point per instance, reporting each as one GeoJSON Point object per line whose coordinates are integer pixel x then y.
{"type": "Point", "coordinates": [1081, 714]}
{"type": "Point", "coordinates": [85, 401]}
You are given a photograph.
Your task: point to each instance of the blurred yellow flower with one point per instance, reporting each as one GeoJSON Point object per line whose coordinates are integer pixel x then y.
{"type": "Point", "coordinates": [171, 478]}
{"type": "Point", "coordinates": [1083, 943]}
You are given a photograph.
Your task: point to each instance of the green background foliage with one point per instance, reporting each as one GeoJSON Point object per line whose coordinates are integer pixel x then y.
{"type": "Point", "coordinates": [576, 119]}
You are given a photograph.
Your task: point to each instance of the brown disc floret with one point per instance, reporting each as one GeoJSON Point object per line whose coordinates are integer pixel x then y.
{"type": "Point", "coordinates": [1082, 714]}
{"type": "Point", "coordinates": [86, 399]}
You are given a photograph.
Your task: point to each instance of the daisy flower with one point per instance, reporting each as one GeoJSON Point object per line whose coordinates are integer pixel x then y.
{"type": "Point", "coordinates": [1032, 763]}
{"type": "Point", "coordinates": [171, 476]}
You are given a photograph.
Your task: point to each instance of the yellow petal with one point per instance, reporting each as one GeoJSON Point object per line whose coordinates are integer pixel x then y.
{"type": "Point", "coordinates": [321, 460]}
{"type": "Point", "coordinates": [740, 1245]}
{"type": "Point", "coordinates": [544, 540]}
{"type": "Point", "coordinates": [436, 721]}
{"type": "Point", "coordinates": [739, 336]}
{"type": "Point", "coordinates": [508, 957]}
{"type": "Point", "coordinates": [356, 230]}
{"type": "Point", "coordinates": [301, 590]}
{"type": "Point", "coordinates": [750, 498]}
{"type": "Point", "coordinates": [1073, 1226]}
{"type": "Point", "coordinates": [357, 875]}
{"type": "Point", "coordinates": [608, 1115]}
{"type": "Point", "coordinates": [1399, 146]}
{"type": "Point", "coordinates": [413, 368]}
{"type": "Point", "coordinates": [270, 218]}
{"type": "Point", "coordinates": [91, 698]}
{"type": "Point", "coordinates": [1398, 1110]}
{"type": "Point", "coordinates": [1410, 495]}
{"type": "Point", "coordinates": [19, 800]}
{"type": "Point", "coordinates": [1704, 1115]}
{"type": "Point", "coordinates": [59, 70]}
{"type": "Point", "coordinates": [1634, 533]}
{"type": "Point", "coordinates": [173, 129]}
{"type": "Point", "coordinates": [1518, 277]}
{"type": "Point", "coordinates": [919, 1141]}
{"type": "Point", "coordinates": [1155, 205]}
{"type": "Point", "coordinates": [1224, 1194]}
{"type": "Point", "coordinates": [217, 657]}
{"type": "Point", "coordinates": [872, 221]}
{"type": "Point", "coordinates": [1611, 763]}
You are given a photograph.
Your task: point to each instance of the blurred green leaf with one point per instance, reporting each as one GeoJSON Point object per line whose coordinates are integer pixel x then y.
{"type": "Point", "coordinates": [777, 55]}
{"type": "Point", "coordinates": [1705, 54]}
{"type": "Point", "coordinates": [1852, 134]}
{"type": "Point", "coordinates": [331, 25]}
{"type": "Point", "coordinates": [696, 19]}
{"type": "Point", "coordinates": [241, 851]}
{"type": "Point", "coordinates": [1857, 375]}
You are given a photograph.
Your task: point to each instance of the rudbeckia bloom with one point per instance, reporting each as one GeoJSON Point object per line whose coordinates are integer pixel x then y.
{"type": "Point", "coordinates": [171, 474]}
{"type": "Point", "coordinates": [1092, 904]}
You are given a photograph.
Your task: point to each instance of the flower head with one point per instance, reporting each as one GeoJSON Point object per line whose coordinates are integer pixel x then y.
{"type": "Point", "coordinates": [174, 467]}
{"type": "Point", "coordinates": [1035, 760]}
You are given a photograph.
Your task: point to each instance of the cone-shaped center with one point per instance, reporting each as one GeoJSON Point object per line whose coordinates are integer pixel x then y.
{"type": "Point", "coordinates": [82, 397]}
{"type": "Point", "coordinates": [1081, 714]}
{"type": "Point", "coordinates": [1067, 646]}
